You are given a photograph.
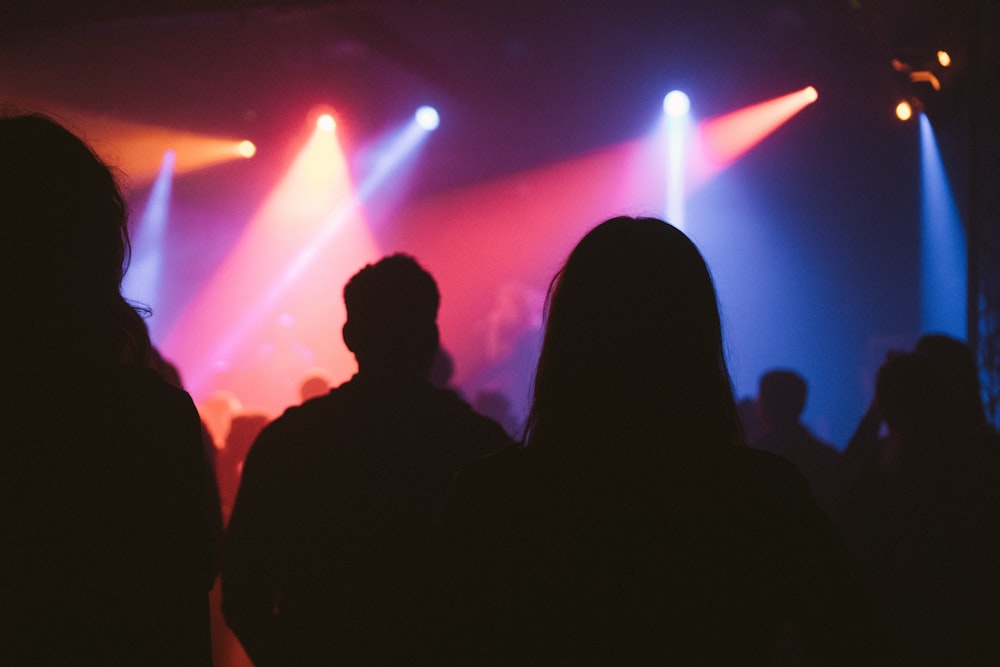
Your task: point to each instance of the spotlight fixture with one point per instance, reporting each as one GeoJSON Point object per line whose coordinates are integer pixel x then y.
{"type": "Point", "coordinates": [944, 58]}
{"type": "Point", "coordinates": [326, 123]}
{"type": "Point", "coordinates": [676, 104]}
{"type": "Point", "coordinates": [428, 118]}
{"type": "Point", "coordinates": [810, 94]}
{"type": "Point", "coordinates": [247, 149]}
{"type": "Point", "coordinates": [904, 111]}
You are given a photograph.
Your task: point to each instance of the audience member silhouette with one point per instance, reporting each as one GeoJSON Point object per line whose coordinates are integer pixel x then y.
{"type": "Point", "coordinates": [243, 430]}
{"type": "Point", "coordinates": [957, 363]}
{"type": "Point", "coordinates": [924, 525]}
{"type": "Point", "coordinates": [633, 528]}
{"type": "Point", "coordinates": [107, 556]}
{"type": "Point", "coordinates": [325, 551]}
{"type": "Point", "coordinates": [957, 368]}
{"type": "Point", "coordinates": [316, 383]}
{"type": "Point", "coordinates": [781, 398]}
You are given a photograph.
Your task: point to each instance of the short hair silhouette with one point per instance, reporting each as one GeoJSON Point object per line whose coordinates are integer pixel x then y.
{"type": "Point", "coordinates": [62, 209]}
{"type": "Point", "coordinates": [633, 340]}
{"type": "Point", "coordinates": [781, 396]}
{"type": "Point", "coordinates": [392, 308]}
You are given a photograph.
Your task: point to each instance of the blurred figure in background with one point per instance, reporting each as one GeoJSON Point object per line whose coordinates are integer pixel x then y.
{"type": "Point", "coordinates": [316, 383]}
{"type": "Point", "coordinates": [923, 524]}
{"type": "Point", "coordinates": [781, 399]}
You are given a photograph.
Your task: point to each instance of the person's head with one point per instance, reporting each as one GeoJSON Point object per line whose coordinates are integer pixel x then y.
{"type": "Point", "coordinates": [956, 360]}
{"type": "Point", "coordinates": [919, 407]}
{"type": "Point", "coordinates": [65, 246]}
{"type": "Point", "coordinates": [391, 326]}
{"type": "Point", "coordinates": [317, 383]}
{"type": "Point", "coordinates": [781, 397]}
{"type": "Point", "coordinates": [633, 340]}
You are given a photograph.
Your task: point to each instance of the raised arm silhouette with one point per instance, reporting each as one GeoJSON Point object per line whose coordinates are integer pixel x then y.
{"type": "Point", "coordinates": [633, 527]}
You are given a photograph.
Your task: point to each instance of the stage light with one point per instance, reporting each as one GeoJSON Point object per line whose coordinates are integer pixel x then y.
{"type": "Point", "coordinates": [944, 58]}
{"type": "Point", "coordinates": [326, 123]}
{"type": "Point", "coordinates": [247, 149]}
{"type": "Point", "coordinates": [810, 94]}
{"type": "Point", "coordinates": [943, 270]}
{"type": "Point", "coordinates": [904, 111]}
{"type": "Point", "coordinates": [676, 104]}
{"type": "Point", "coordinates": [428, 118]}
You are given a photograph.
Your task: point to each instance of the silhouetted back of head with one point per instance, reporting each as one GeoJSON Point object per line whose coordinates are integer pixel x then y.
{"type": "Point", "coordinates": [65, 246]}
{"type": "Point", "coordinates": [925, 427]}
{"type": "Point", "coordinates": [633, 341]}
{"type": "Point", "coordinates": [956, 361]}
{"type": "Point", "coordinates": [781, 397]}
{"type": "Point", "coordinates": [391, 324]}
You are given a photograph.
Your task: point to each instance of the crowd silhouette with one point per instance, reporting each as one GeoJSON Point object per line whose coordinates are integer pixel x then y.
{"type": "Point", "coordinates": [640, 516]}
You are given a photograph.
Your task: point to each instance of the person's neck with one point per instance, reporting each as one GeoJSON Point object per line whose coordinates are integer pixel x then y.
{"type": "Point", "coordinates": [390, 376]}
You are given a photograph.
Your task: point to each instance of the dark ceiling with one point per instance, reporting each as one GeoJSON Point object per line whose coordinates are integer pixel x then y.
{"type": "Point", "coordinates": [535, 79]}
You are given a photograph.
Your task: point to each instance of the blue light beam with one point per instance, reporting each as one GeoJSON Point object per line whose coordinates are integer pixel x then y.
{"type": "Point", "coordinates": [944, 270]}
{"type": "Point", "coordinates": [142, 282]}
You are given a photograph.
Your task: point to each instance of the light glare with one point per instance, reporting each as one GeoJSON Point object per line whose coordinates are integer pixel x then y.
{"type": "Point", "coordinates": [676, 103]}
{"type": "Point", "coordinates": [326, 123]}
{"type": "Point", "coordinates": [247, 149]}
{"type": "Point", "coordinates": [944, 58]}
{"type": "Point", "coordinates": [810, 94]}
{"type": "Point", "coordinates": [428, 118]}
{"type": "Point", "coordinates": [904, 111]}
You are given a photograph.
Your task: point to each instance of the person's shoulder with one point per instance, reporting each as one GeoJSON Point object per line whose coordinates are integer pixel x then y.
{"type": "Point", "coordinates": [489, 485]}
{"type": "Point", "coordinates": [509, 461]}
{"type": "Point", "coordinates": [145, 391]}
{"type": "Point", "coordinates": [769, 475]}
{"type": "Point", "coordinates": [458, 411]}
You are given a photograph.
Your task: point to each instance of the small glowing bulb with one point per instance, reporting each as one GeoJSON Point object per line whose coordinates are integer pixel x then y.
{"type": "Point", "coordinates": [944, 58]}
{"type": "Point", "coordinates": [810, 94]}
{"type": "Point", "coordinates": [428, 118]}
{"type": "Point", "coordinates": [676, 104]}
{"type": "Point", "coordinates": [904, 111]}
{"type": "Point", "coordinates": [326, 123]}
{"type": "Point", "coordinates": [247, 149]}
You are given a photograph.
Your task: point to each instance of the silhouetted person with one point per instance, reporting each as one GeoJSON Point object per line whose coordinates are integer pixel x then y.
{"type": "Point", "coordinates": [956, 366]}
{"type": "Point", "coordinates": [957, 363]}
{"type": "Point", "coordinates": [924, 525]}
{"type": "Point", "coordinates": [325, 558]}
{"type": "Point", "coordinates": [316, 383]}
{"type": "Point", "coordinates": [633, 528]}
{"type": "Point", "coordinates": [442, 369]}
{"type": "Point", "coordinates": [107, 554]}
{"type": "Point", "coordinates": [243, 430]}
{"type": "Point", "coordinates": [781, 398]}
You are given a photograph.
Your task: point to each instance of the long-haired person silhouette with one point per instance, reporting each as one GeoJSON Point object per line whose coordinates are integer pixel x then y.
{"type": "Point", "coordinates": [633, 526]}
{"type": "Point", "coordinates": [107, 554]}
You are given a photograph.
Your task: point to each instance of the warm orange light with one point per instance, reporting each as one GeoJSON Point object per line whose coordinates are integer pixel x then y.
{"type": "Point", "coordinates": [326, 123]}
{"type": "Point", "coordinates": [904, 111]}
{"type": "Point", "coordinates": [247, 149]}
{"type": "Point", "coordinates": [725, 138]}
{"type": "Point", "coordinates": [944, 58]}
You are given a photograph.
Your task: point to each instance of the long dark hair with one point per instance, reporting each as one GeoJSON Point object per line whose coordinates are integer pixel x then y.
{"type": "Point", "coordinates": [65, 248]}
{"type": "Point", "coordinates": [633, 347]}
